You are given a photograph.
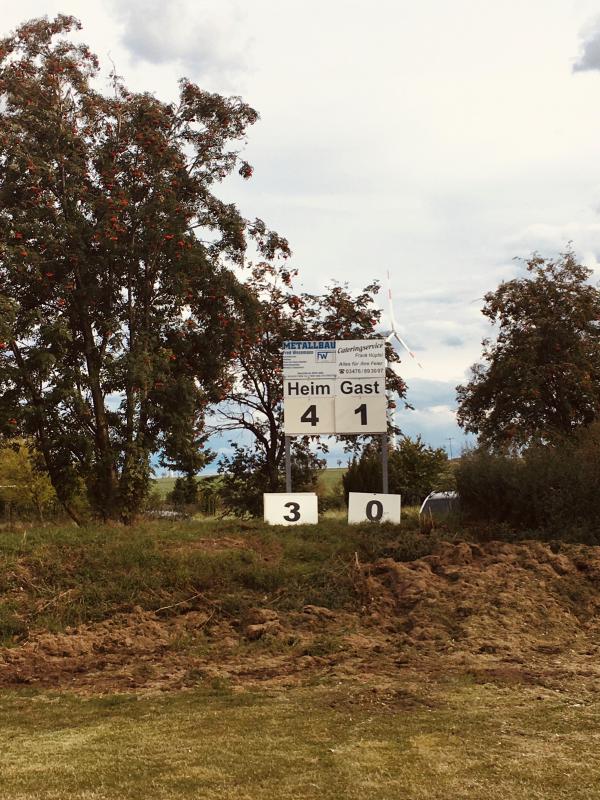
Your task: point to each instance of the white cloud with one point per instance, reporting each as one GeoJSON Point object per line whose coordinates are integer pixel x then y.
{"type": "Point", "coordinates": [590, 49]}
{"type": "Point", "coordinates": [207, 40]}
{"type": "Point", "coordinates": [437, 140]}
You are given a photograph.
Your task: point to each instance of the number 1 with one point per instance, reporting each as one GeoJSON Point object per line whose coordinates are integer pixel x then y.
{"type": "Point", "coordinates": [362, 410]}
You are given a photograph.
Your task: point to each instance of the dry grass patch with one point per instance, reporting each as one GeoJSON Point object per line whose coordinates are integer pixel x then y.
{"type": "Point", "coordinates": [460, 740]}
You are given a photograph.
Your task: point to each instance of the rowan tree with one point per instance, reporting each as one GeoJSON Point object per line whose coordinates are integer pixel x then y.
{"type": "Point", "coordinates": [119, 308]}
{"type": "Point", "coordinates": [540, 378]}
{"type": "Point", "coordinates": [254, 390]}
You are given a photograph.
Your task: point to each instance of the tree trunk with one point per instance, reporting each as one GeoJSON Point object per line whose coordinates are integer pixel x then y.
{"type": "Point", "coordinates": [106, 462]}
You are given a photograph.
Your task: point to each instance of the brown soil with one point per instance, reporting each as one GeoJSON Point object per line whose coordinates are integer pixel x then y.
{"type": "Point", "coordinates": [502, 613]}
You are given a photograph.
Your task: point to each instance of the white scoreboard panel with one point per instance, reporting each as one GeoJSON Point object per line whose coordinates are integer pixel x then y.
{"type": "Point", "coordinates": [292, 508]}
{"type": "Point", "coordinates": [354, 414]}
{"type": "Point", "coordinates": [308, 415]}
{"type": "Point", "coordinates": [367, 507]}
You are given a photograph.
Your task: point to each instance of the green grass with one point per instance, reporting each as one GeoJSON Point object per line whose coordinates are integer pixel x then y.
{"type": "Point", "coordinates": [165, 485]}
{"type": "Point", "coordinates": [331, 478]}
{"type": "Point", "coordinates": [358, 736]}
{"type": "Point", "coordinates": [58, 576]}
{"type": "Point", "coordinates": [431, 742]}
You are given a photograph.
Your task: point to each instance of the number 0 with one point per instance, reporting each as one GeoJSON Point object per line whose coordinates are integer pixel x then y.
{"type": "Point", "coordinates": [374, 510]}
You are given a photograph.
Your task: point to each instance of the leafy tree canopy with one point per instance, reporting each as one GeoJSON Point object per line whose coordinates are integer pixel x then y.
{"type": "Point", "coordinates": [119, 309]}
{"type": "Point", "coordinates": [24, 484]}
{"type": "Point", "coordinates": [540, 379]}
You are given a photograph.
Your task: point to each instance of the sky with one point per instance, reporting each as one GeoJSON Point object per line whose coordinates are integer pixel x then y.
{"type": "Point", "coordinates": [439, 141]}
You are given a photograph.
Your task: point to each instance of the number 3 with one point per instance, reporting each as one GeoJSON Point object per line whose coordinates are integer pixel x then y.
{"type": "Point", "coordinates": [294, 514]}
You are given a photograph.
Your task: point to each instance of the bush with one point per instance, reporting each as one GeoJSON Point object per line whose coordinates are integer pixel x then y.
{"type": "Point", "coordinates": [209, 495]}
{"type": "Point", "coordinates": [246, 476]}
{"type": "Point", "coordinates": [25, 488]}
{"type": "Point", "coordinates": [414, 471]}
{"type": "Point", "coordinates": [550, 488]}
{"type": "Point", "coordinates": [332, 500]}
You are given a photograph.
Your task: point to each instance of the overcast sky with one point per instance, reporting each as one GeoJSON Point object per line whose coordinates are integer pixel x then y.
{"type": "Point", "coordinates": [437, 140]}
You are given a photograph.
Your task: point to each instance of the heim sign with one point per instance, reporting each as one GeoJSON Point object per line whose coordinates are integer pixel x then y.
{"type": "Point", "coordinates": [334, 387]}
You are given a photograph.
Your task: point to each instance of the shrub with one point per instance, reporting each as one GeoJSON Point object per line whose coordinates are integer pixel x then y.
{"type": "Point", "coordinates": [550, 488]}
{"type": "Point", "coordinates": [184, 493]}
{"type": "Point", "coordinates": [209, 495]}
{"type": "Point", "coordinates": [246, 476]}
{"type": "Point", "coordinates": [24, 485]}
{"type": "Point", "coordinates": [414, 469]}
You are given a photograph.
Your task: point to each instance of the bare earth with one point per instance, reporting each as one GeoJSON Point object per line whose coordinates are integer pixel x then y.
{"type": "Point", "coordinates": [502, 613]}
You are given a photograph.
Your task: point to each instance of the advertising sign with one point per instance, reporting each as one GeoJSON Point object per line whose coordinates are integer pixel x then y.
{"type": "Point", "coordinates": [334, 387]}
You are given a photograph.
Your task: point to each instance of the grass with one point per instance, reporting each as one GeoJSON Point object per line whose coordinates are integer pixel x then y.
{"type": "Point", "coordinates": [428, 737]}
{"type": "Point", "coordinates": [437, 741]}
{"type": "Point", "coordinates": [165, 485]}
{"type": "Point", "coordinates": [58, 576]}
{"type": "Point", "coordinates": [331, 478]}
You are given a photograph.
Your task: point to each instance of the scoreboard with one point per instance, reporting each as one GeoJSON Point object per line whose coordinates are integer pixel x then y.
{"type": "Point", "coordinates": [334, 387]}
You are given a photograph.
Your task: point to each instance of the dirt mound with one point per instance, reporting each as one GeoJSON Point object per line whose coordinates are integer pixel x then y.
{"type": "Point", "coordinates": [496, 602]}
{"type": "Point", "coordinates": [502, 612]}
{"type": "Point", "coordinates": [115, 653]}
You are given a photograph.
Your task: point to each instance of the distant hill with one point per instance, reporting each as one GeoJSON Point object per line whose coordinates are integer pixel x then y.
{"type": "Point", "coordinates": [329, 478]}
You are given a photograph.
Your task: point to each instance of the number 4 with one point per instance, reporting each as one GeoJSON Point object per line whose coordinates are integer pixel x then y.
{"type": "Point", "coordinates": [310, 415]}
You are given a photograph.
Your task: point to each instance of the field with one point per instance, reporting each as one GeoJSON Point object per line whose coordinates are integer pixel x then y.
{"type": "Point", "coordinates": [445, 740]}
{"type": "Point", "coordinates": [329, 479]}
{"type": "Point", "coordinates": [165, 485]}
{"type": "Point", "coordinates": [221, 659]}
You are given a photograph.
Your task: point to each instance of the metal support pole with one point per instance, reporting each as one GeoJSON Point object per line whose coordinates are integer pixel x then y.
{"type": "Point", "coordinates": [384, 461]}
{"type": "Point", "coordinates": [288, 465]}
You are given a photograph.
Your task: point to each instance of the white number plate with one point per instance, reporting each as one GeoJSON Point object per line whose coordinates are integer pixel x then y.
{"type": "Point", "coordinates": [365, 507]}
{"type": "Point", "coordinates": [360, 414]}
{"type": "Point", "coordinates": [306, 415]}
{"type": "Point", "coordinates": [297, 508]}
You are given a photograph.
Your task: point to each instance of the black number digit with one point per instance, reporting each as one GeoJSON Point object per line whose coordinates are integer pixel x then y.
{"type": "Point", "coordinates": [310, 415]}
{"type": "Point", "coordinates": [362, 410]}
{"type": "Point", "coordinates": [374, 510]}
{"type": "Point", "coordinates": [294, 514]}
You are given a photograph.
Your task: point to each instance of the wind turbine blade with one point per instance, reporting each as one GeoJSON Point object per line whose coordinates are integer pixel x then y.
{"type": "Point", "coordinates": [408, 350]}
{"type": "Point", "coordinates": [390, 303]}
{"type": "Point", "coordinates": [394, 332]}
